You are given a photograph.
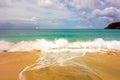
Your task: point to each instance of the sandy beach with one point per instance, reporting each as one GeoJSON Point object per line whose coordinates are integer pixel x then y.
{"type": "Point", "coordinates": [99, 67]}
{"type": "Point", "coordinates": [12, 63]}
{"type": "Point", "coordinates": [106, 66]}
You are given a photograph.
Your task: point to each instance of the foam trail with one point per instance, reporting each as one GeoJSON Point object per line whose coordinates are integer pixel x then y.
{"type": "Point", "coordinates": [21, 76]}
{"type": "Point", "coordinates": [62, 59]}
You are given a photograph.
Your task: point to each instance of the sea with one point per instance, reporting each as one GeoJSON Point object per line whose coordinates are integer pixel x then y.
{"type": "Point", "coordinates": [59, 38]}
{"type": "Point", "coordinates": [71, 35]}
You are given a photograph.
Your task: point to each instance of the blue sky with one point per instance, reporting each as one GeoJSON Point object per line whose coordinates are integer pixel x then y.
{"type": "Point", "coordinates": [58, 14]}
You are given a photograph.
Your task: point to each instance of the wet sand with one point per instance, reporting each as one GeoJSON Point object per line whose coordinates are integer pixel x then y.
{"type": "Point", "coordinates": [99, 67]}
{"type": "Point", "coordinates": [12, 63]}
{"type": "Point", "coordinates": [106, 66]}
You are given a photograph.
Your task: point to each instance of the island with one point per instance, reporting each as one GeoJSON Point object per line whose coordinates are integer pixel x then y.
{"type": "Point", "coordinates": [114, 25]}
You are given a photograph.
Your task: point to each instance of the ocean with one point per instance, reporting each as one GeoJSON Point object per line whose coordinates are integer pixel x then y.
{"type": "Point", "coordinates": [64, 54]}
{"type": "Point", "coordinates": [52, 34]}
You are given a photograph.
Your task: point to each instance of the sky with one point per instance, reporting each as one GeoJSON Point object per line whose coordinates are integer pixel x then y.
{"type": "Point", "coordinates": [58, 14]}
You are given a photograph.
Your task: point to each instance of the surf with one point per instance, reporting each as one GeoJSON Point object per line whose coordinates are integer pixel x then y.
{"type": "Point", "coordinates": [59, 44]}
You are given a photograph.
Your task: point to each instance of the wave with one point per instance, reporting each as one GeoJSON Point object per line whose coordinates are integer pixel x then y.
{"type": "Point", "coordinates": [60, 45]}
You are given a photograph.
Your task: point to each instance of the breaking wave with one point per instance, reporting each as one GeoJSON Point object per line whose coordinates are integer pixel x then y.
{"type": "Point", "coordinates": [59, 44]}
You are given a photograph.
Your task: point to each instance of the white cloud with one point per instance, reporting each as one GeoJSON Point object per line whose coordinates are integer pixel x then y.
{"type": "Point", "coordinates": [24, 12]}
{"type": "Point", "coordinates": [50, 4]}
{"type": "Point", "coordinates": [34, 19]}
{"type": "Point", "coordinates": [4, 3]}
{"type": "Point", "coordinates": [84, 4]}
{"type": "Point", "coordinates": [59, 12]}
{"type": "Point", "coordinates": [108, 14]}
{"type": "Point", "coordinates": [114, 2]}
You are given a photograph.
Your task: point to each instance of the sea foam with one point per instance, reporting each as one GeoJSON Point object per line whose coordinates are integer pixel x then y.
{"type": "Point", "coordinates": [5, 45]}
{"type": "Point", "coordinates": [59, 44]}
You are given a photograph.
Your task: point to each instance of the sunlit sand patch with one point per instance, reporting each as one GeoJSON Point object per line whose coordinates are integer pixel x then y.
{"type": "Point", "coordinates": [12, 63]}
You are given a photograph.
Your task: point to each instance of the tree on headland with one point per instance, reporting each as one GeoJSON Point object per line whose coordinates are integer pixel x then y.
{"type": "Point", "coordinates": [114, 25]}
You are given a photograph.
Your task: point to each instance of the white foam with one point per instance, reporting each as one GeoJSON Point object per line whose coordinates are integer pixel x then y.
{"type": "Point", "coordinates": [42, 44]}
{"type": "Point", "coordinates": [5, 45]}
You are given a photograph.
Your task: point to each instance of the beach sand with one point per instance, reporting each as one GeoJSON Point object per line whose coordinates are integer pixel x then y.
{"type": "Point", "coordinates": [12, 63]}
{"type": "Point", "coordinates": [106, 66]}
{"type": "Point", "coordinates": [90, 67]}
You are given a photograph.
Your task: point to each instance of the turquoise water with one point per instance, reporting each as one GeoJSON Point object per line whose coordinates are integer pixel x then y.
{"type": "Point", "coordinates": [52, 34]}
